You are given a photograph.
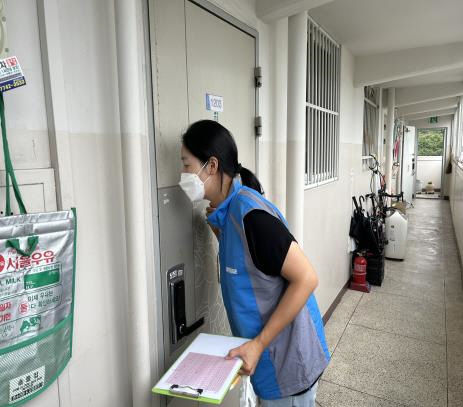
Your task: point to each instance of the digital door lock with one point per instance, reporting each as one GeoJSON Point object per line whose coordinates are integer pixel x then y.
{"type": "Point", "coordinates": [177, 303]}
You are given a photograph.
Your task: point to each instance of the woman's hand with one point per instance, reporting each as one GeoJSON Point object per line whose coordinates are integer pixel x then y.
{"type": "Point", "coordinates": [250, 352]}
{"type": "Point", "coordinates": [210, 210]}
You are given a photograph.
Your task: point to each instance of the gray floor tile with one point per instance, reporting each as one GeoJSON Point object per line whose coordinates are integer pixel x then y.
{"type": "Point", "coordinates": [414, 285]}
{"type": "Point", "coordinates": [406, 316]}
{"type": "Point", "coordinates": [340, 317]}
{"type": "Point", "coordinates": [332, 395]}
{"type": "Point", "coordinates": [391, 367]}
{"type": "Point", "coordinates": [454, 317]}
{"type": "Point", "coordinates": [455, 372]}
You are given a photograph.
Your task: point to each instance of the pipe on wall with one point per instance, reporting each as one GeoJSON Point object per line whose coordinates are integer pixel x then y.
{"type": "Point", "coordinates": [295, 156]}
{"type": "Point", "coordinates": [133, 139]}
{"type": "Point", "coordinates": [390, 135]}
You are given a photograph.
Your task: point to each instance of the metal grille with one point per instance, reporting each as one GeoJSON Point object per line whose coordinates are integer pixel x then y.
{"type": "Point", "coordinates": [370, 126]}
{"type": "Point", "coordinates": [323, 84]}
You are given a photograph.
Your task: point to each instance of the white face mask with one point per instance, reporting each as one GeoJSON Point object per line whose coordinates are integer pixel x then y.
{"type": "Point", "coordinates": [192, 185]}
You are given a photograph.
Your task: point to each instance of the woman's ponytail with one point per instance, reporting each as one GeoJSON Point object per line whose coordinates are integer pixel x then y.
{"type": "Point", "coordinates": [250, 180]}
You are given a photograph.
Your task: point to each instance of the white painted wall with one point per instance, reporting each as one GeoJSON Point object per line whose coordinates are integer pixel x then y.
{"type": "Point", "coordinates": [456, 180]}
{"type": "Point", "coordinates": [97, 374]}
{"type": "Point", "coordinates": [100, 327]}
{"type": "Point", "coordinates": [456, 204]}
{"type": "Point", "coordinates": [328, 208]}
{"type": "Point", "coordinates": [429, 169]}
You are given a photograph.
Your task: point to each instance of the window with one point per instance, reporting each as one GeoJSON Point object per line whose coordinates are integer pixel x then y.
{"type": "Point", "coordinates": [323, 83]}
{"type": "Point", "coordinates": [370, 125]}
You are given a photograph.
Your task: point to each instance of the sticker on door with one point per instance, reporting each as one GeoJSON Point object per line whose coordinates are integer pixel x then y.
{"type": "Point", "coordinates": [214, 103]}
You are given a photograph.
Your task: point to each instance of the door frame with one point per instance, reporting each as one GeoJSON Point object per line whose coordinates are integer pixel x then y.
{"type": "Point", "coordinates": [444, 156]}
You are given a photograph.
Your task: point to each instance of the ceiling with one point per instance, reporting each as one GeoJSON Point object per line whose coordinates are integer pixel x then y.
{"type": "Point", "coordinates": [368, 27]}
{"type": "Point", "coordinates": [455, 75]}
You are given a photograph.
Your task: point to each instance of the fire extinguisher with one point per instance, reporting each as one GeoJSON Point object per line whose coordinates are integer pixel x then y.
{"type": "Point", "coordinates": [359, 274]}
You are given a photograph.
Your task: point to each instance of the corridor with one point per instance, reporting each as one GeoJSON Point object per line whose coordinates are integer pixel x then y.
{"type": "Point", "coordinates": [402, 344]}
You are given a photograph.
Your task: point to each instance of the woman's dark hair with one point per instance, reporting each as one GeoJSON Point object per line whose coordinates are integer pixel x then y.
{"type": "Point", "coordinates": [206, 139]}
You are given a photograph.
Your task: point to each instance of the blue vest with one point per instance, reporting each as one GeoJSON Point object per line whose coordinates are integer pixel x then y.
{"type": "Point", "coordinates": [299, 354]}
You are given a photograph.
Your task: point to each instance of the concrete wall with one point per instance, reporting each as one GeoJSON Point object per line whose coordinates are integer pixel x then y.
{"type": "Point", "coordinates": [429, 169]}
{"type": "Point", "coordinates": [91, 94]}
{"type": "Point", "coordinates": [97, 374]}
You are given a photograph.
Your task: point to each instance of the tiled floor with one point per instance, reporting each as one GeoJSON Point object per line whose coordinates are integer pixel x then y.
{"type": "Point", "coordinates": [402, 344]}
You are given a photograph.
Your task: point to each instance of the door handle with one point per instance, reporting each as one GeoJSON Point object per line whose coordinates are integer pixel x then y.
{"type": "Point", "coordinates": [179, 327]}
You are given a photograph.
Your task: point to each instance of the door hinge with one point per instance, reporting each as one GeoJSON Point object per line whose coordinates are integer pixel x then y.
{"type": "Point", "coordinates": [258, 125]}
{"type": "Point", "coordinates": [258, 76]}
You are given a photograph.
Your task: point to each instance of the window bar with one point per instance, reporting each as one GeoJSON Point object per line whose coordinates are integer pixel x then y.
{"type": "Point", "coordinates": [337, 151]}
{"type": "Point", "coordinates": [309, 141]}
{"type": "Point", "coordinates": [315, 52]}
{"type": "Point", "coordinates": [333, 108]}
{"type": "Point", "coordinates": [315, 127]}
{"type": "Point", "coordinates": [322, 154]}
{"type": "Point", "coordinates": [330, 145]}
{"type": "Point", "coordinates": [309, 62]}
{"type": "Point", "coordinates": [335, 81]}
{"type": "Point", "coordinates": [307, 135]}
{"type": "Point", "coordinates": [325, 53]}
{"type": "Point", "coordinates": [337, 126]}
{"type": "Point", "coordinates": [338, 78]}
{"type": "Point", "coordinates": [327, 99]}
{"type": "Point", "coordinates": [325, 144]}
{"type": "Point", "coordinates": [332, 77]}
{"type": "Point", "coordinates": [320, 67]}
{"type": "Point", "coordinates": [328, 77]}
{"type": "Point", "coordinates": [323, 114]}
{"type": "Point", "coordinates": [322, 71]}
{"type": "Point", "coordinates": [317, 149]}
{"type": "Point", "coordinates": [312, 63]}
{"type": "Point", "coordinates": [333, 141]}
{"type": "Point", "coordinates": [313, 144]}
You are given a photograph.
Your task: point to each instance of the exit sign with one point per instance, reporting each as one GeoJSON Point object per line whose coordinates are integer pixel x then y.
{"type": "Point", "coordinates": [433, 119]}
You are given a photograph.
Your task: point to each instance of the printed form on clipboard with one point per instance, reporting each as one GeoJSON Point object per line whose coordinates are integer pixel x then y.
{"type": "Point", "coordinates": [202, 373]}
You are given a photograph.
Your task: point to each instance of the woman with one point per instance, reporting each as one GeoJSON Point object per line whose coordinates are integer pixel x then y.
{"type": "Point", "coordinates": [266, 280]}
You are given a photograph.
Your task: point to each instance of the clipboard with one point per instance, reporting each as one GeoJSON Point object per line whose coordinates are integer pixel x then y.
{"type": "Point", "coordinates": [201, 373]}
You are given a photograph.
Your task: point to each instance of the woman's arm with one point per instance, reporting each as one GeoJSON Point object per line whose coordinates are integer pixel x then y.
{"type": "Point", "coordinates": [302, 282]}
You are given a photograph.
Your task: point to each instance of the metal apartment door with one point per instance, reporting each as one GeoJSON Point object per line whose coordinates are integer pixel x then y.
{"type": "Point", "coordinates": [220, 62]}
{"type": "Point", "coordinates": [408, 163]}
